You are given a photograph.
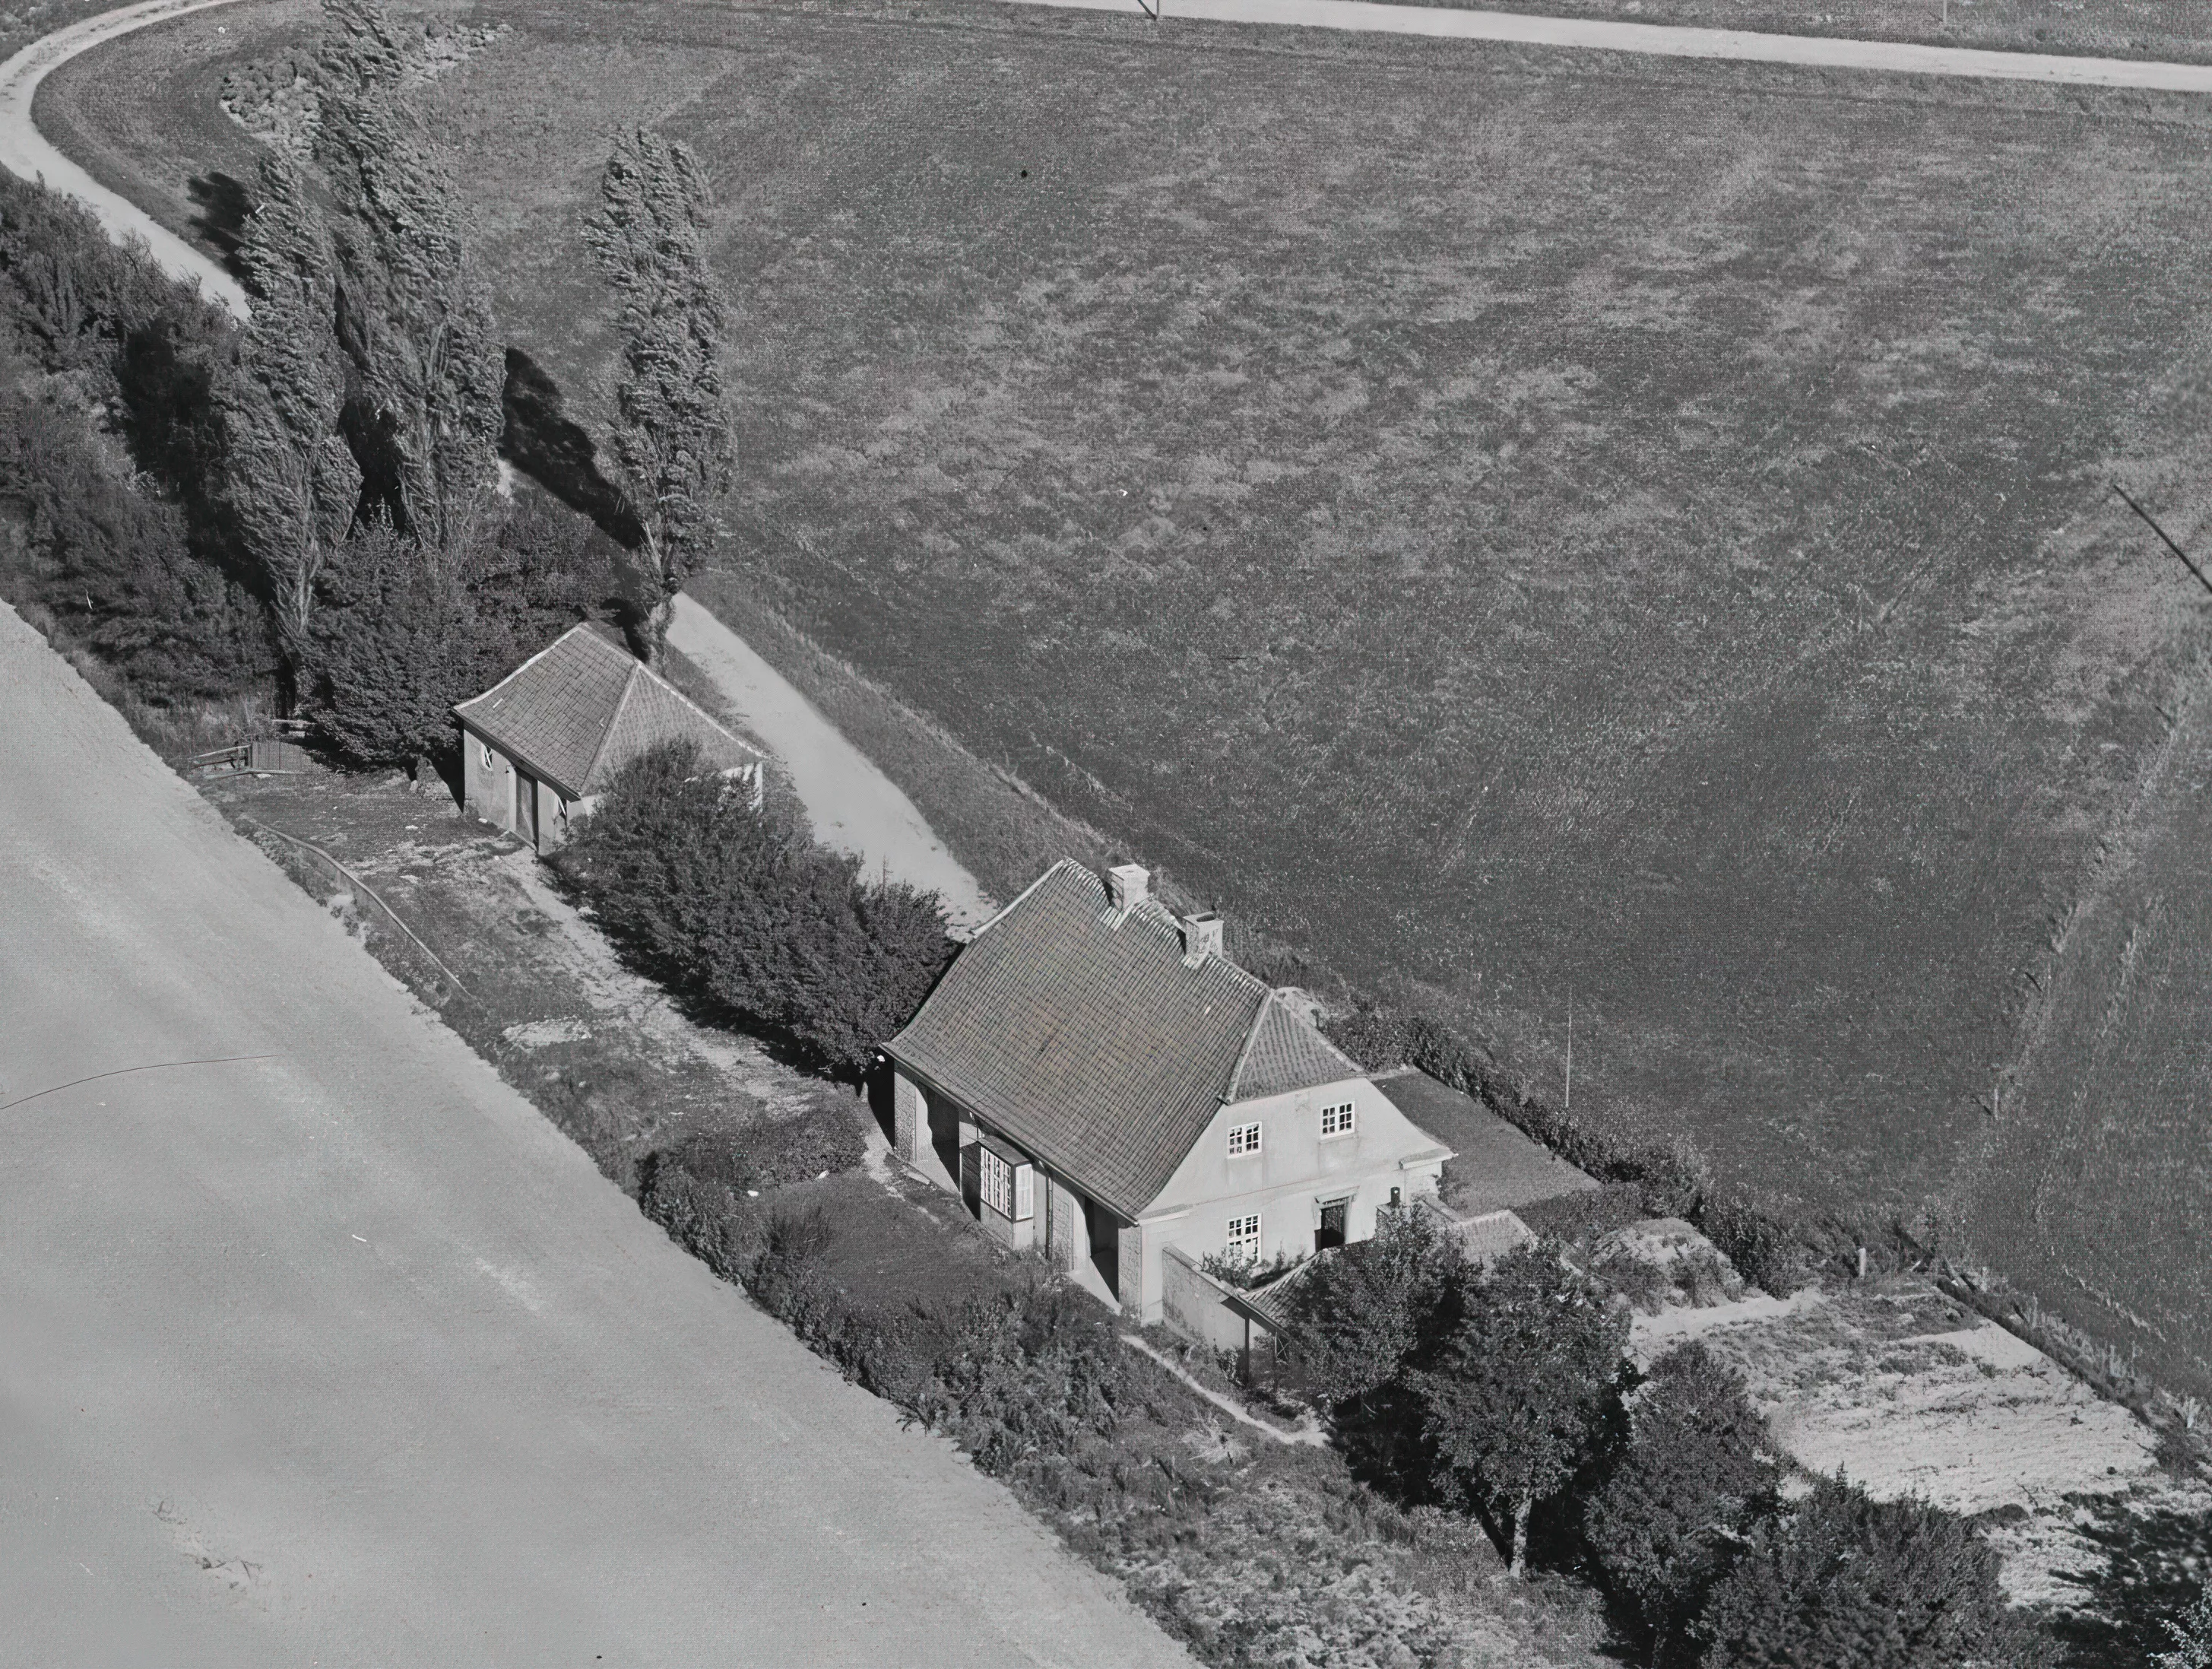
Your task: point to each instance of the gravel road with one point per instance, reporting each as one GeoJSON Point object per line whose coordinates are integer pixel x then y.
{"type": "Point", "coordinates": [329, 1349]}
{"type": "Point", "coordinates": [26, 153]}
{"type": "Point", "coordinates": [852, 804]}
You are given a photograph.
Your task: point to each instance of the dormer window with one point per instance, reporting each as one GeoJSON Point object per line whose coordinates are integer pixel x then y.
{"type": "Point", "coordinates": [1337, 1120]}
{"type": "Point", "coordinates": [1243, 1139]}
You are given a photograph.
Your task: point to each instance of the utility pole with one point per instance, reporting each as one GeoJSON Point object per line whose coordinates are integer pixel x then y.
{"type": "Point", "coordinates": [1570, 1106]}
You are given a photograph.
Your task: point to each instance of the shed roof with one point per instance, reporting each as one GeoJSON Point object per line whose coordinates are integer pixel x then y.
{"type": "Point", "coordinates": [583, 707]}
{"type": "Point", "coordinates": [1082, 1032]}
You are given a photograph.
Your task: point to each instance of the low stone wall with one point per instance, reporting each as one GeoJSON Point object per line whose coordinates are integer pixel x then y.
{"type": "Point", "coordinates": [1195, 1305]}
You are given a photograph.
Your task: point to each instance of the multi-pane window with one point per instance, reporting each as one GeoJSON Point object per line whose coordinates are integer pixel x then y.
{"type": "Point", "coordinates": [1336, 1120]}
{"type": "Point", "coordinates": [1008, 1189]}
{"type": "Point", "coordinates": [1244, 1239]}
{"type": "Point", "coordinates": [1243, 1139]}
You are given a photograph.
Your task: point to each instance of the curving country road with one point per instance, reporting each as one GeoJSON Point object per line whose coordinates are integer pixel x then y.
{"type": "Point", "coordinates": [27, 153]}
{"type": "Point", "coordinates": [318, 1343]}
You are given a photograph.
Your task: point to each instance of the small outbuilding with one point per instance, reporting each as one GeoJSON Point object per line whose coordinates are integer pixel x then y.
{"type": "Point", "coordinates": [541, 745]}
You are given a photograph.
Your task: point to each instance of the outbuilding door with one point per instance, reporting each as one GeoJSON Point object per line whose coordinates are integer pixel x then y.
{"type": "Point", "coordinates": [525, 805]}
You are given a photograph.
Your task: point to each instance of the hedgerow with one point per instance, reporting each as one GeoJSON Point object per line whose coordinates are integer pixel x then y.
{"type": "Point", "coordinates": [1251, 1553]}
{"type": "Point", "coordinates": [1779, 1243]}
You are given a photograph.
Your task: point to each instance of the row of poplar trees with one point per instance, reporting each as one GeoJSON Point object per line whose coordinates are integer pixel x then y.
{"type": "Point", "coordinates": [362, 427]}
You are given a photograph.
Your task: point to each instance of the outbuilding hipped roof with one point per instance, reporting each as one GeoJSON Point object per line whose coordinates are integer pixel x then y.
{"type": "Point", "coordinates": [580, 708]}
{"type": "Point", "coordinates": [1082, 1032]}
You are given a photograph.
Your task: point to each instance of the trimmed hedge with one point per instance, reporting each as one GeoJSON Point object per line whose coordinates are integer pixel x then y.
{"type": "Point", "coordinates": [745, 910]}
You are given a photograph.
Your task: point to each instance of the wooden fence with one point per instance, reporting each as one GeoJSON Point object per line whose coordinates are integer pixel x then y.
{"type": "Point", "coordinates": [366, 895]}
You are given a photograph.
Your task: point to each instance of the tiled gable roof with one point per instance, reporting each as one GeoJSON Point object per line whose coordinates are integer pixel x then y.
{"type": "Point", "coordinates": [580, 709]}
{"type": "Point", "coordinates": [1284, 1053]}
{"type": "Point", "coordinates": [1081, 1032]}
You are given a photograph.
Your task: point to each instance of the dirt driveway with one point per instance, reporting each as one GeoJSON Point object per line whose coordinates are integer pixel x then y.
{"type": "Point", "coordinates": [331, 1349]}
{"type": "Point", "coordinates": [853, 804]}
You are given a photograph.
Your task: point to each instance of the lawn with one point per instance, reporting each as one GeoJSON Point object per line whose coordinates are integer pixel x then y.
{"type": "Point", "coordinates": [1535, 529]}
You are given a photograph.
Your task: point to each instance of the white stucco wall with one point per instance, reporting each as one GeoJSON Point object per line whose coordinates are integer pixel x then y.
{"type": "Point", "coordinates": [1294, 1172]}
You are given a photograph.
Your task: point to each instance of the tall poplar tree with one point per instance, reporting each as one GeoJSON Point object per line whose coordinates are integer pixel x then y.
{"type": "Point", "coordinates": [291, 481]}
{"type": "Point", "coordinates": [672, 444]}
{"type": "Point", "coordinates": [412, 317]}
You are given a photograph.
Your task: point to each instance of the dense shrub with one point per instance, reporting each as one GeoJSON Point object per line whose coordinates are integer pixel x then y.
{"type": "Point", "coordinates": [1027, 1378]}
{"type": "Point", "coordinates": [76, 299]}
{"type": "Point", "coordinates": [400, 634]}
{"type": "Point", "coordinates": [747, 911]}
{"type": "Point", "coordinates": [96, 554]}
{"type": "Point", "coordinates": [1695, 1472]}
{"type": "Point", "coordinates": [1840, 1581]}
{"type": "Point", "coordinates": [106, 447]}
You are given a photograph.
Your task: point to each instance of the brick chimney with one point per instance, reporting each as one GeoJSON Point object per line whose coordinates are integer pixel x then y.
{"type": "Point", "coordinates": [1201, 936]}
{"type": "Point", "coordinates": [1128, 885]}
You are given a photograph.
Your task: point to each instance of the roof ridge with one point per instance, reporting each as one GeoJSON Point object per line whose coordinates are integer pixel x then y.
{"type": "Point", "coordinates": [486, 695]}
{"type": "Point", "coordinates": [668, 686]}
{"type": "Point", "coordinates": [1251, 1042]}
{"type": "Point", "coordinates": [613, 723]}
{"type": "Point", "coordinates": [1054, 868]}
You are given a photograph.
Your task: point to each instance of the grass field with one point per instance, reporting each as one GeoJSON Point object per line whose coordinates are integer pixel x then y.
{"type": "Point", "coordinates": [1533, 528]}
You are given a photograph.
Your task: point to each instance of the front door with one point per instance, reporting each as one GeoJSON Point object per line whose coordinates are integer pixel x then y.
{"type": "Point", "coordinates": [1331, 1232]}
{"type": "Point", "coordinates": [525, 805]}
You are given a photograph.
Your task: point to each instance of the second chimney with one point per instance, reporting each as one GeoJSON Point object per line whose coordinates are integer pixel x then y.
{"type": "Point", "coordinates": [1201, 935]}
{"type": "Point", "coordinates": [1128, 885]}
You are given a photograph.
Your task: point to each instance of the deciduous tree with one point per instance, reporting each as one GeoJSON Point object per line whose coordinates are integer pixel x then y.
{"type": "Point", "coordinates": [2191, 1633]}
{"type": "Point", "coordinates": [1520, 1385]}
{"type": "Point", "coordinates": [1697, 1468]}
{"type": "Point", "coordinates": [1362, 1311]}
{"type": "Point", "coordinates": [290, 481]}
{"type": "Point", "coordinates": [411, 316]}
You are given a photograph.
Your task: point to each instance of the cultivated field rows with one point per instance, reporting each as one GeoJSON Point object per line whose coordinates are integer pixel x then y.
{"type": "Point", "coordinates": [1909, 1393]}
